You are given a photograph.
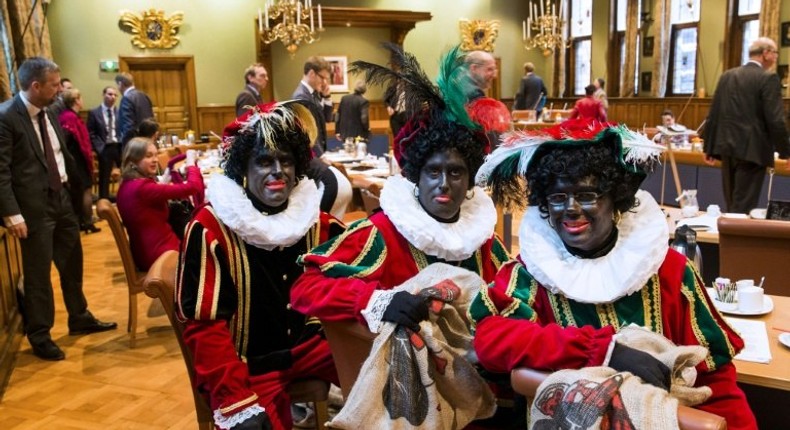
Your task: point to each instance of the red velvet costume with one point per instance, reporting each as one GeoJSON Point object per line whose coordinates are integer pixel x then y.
{"type": "Point", "coordinates": [142, 204]}
{"type": "Point", "coordinates": [521, 324]}
{"type": "Point", "coordinates": [589, 108]}
{"type": "Point", "coordinates": [372, 255]}
{"type": "Point", "coordinates": [247, 342]}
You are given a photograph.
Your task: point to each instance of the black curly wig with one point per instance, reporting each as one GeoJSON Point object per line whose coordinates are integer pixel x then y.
{"type": "Point", "coordinates": [249, 144]}
{"type": "Point", "coordinates": [576, 162]}
{"type": "Point", "coordinates": [439, 135]}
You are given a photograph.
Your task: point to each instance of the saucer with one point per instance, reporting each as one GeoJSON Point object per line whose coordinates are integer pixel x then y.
{"type": "Point", "coordinates": [784, 338]}
{"type": "Point", "coordinates": [732, 308]}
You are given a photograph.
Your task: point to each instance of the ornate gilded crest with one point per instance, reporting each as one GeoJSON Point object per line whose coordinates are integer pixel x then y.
{"type": "Point", "coordinates": [478, 35]}
{"type": "Point", "coordinates": [152, 29]}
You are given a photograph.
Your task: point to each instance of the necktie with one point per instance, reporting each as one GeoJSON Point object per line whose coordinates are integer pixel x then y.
{"type": "Point", "coordinates": [110, 126]}
{"type": "Point", "coordinates": [49, 154]}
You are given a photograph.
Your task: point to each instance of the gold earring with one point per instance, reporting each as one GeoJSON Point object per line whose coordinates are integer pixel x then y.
{"type": "Point", "coordinates": [244, 182]}
{"type": "Point", "coordinates": [616, 217]}
{"type": "Point", "coordinates": [470, 197]}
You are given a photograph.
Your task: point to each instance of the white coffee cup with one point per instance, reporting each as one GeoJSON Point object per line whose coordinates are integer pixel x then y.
{"type": "Point", "coordinates": [714, 210]}
{"type": "Point", "coordinates": [744, 283]}
{"type": "Point", "coordinates": [750, 299]}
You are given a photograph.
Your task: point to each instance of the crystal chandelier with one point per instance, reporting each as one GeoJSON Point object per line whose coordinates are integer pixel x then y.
{"type": "Point", "coordinates": [544, 29]}
{"type": "Point", "coordinates": [295, 23]}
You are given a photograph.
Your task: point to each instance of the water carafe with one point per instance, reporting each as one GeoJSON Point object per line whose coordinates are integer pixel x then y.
{"type": "Point", "coordinates": [685, 242]}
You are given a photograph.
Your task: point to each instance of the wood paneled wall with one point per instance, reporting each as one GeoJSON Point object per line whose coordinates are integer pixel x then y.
{"type": "Point", "coordinates": [636, 112]}
{"type": "Point", "coordinates": [10, 318]}
{"type": "Point", "coordinates": [216, 117]}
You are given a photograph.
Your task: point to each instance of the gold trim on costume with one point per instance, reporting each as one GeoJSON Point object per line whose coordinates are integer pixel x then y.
{"type": "Point", "coordinates": [238, 404]}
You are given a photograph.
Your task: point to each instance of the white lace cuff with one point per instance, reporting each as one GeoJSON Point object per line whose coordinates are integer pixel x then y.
{"type": "Point", "coordinates": [226, 423]}
{"type": "Point", "coordinates": [375, 308]}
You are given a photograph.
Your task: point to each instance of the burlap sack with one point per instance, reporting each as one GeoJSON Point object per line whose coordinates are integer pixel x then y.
{"type": "Point", "coordinates": [424, 380]}
{"type": "Point", "coordinates": [600, 397]}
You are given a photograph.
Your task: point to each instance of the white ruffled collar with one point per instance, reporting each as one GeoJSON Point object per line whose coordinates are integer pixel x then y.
{"type": "Point", "coordinates": [453, 241]}
{"type": "Point", "coordinates": [639, 252]}
{"type": "Point", "coordinates": [236, 211]}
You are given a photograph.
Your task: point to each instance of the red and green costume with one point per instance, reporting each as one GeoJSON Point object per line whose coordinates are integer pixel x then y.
{"type": "Point", "coordinates": [539, 314]}
{"type": "Point", "coordinates": [233, 293]}
{"type": "Point", "coordinates": [377, 254]}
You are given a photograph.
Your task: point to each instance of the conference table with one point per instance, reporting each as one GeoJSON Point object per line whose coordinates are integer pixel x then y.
{"type": "Point", "coordinates": [775, 374]}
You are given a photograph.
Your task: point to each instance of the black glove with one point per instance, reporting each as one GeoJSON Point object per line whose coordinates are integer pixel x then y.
{"type": "Point", "coordinates": [258, 422]}
{"type": "Point", "coordinates": [641, 364]}
{"type": "Point", "coordinates": [407, 310]}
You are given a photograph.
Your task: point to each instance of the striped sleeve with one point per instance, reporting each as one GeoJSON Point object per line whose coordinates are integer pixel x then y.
{"type": "Point", "coordinates": [510, 295]}
{"type": "Point", "coordinates": [205, 289]}
{"type": "Point", "coordinates": [341, 274]}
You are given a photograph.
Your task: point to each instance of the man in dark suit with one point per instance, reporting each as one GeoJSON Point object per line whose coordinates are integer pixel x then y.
{"type": "Point", "coordinates": [36, 174]}
{"type": "Point", "coordinates": [314, 81]}
{"type": "Point", "coordinates": [135, 107]}
{"type": "Point", "coordinates": [103, 130]}
{"type": "Point", "coordinates": [531, 91]}
{"type": "Point", "coordinates": [255, 79]}
{"type": "Point", "coordinates": [746, 125]}
{"type": "Point", "coordinates": [352, 114]}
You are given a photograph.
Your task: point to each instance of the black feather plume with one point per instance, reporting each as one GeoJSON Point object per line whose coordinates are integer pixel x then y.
{"type": "Point", "coordinates": [419, 92]}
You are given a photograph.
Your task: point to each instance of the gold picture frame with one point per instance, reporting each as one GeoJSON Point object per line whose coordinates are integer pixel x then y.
{"type": "Point", "coordinates": [478, 34]}
{"type": "Point", "coordinates": [151, 28]}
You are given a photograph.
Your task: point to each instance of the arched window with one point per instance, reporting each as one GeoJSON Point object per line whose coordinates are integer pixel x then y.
{"type": "Point", "coordinates": [684, 17]}
{"type": "Point", "coordinates": [746, 26]}
{"type": "Point", "coordinates": [618, 48]}
{"type": "Point", "coordinates": [581, 49]}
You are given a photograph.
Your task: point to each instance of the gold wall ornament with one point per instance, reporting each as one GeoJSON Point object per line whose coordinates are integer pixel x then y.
{"type": "Point", "coordinates": [152, 29]}
{"type": "Point", "coordinates": [478, 34]}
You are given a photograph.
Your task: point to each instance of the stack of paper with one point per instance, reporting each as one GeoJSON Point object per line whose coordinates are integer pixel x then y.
{"type": "Point", "coordinates": [755, 339]}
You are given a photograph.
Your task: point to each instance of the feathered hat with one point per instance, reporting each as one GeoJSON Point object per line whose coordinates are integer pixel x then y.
{"type": "Point", "coordinates": [426, 102]}
{"type": "Point", "coordinates": [262, 120]}
{"type": "Point", "coordinates": [520, 150]}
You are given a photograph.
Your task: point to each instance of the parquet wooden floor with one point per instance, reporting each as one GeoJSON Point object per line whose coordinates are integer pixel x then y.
{"type": "Point", "coordinates": [102, 384]}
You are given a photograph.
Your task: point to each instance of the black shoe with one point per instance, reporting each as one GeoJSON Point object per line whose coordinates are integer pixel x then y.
{"type": "Point", "coordinates": [90, 228]}
{"type": "Point", "coordinates": [48, 350]}
{"type": "Point", "coordinates": [91, 326]}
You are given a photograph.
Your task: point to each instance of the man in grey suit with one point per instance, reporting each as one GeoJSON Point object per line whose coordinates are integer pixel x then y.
{"type": "Point", "coordinates": [746, 125]}
{"type": "Point", "coordinates": [103, 130]}
{"type": "Point", "coordinates": [255, 79]}
{"type": "Point", "coordinates": [531, 91]}
{"type": "Point", "coordinates": [36, 174]}
{"type": "Point", "coordinates": [352, 115]}
{"type": "Point", "coordinates": [135, 107]}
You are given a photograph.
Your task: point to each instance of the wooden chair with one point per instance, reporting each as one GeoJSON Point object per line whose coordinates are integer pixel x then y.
{"type": "Point", "coordinates": [528, 115]}
{"type": "Point", "coordinates": [160, 284]}
{"type": "Point", "coordinates": [370, 197]}
{"type": "Point", "coordinates": [161, 159]}
{"type": "Point", "coordinates": [526, 381]}
{"type": "Point", "coordinates": [350, 343]}
{"type": "Point", "coordinates": [353, 213]}
{"type": "Point", "coordinates": [134, 277]}
{"type": "Point", "coordinates": [752, 248]}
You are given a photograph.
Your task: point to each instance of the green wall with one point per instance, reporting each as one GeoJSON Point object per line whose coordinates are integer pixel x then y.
{"type": "Point", "coordinates": [220, 34]}
{"type": "Point", "coordinates": [221, 37]}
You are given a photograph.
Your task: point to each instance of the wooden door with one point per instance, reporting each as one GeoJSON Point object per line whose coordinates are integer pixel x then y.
{"type": "Point", "coordinates": [170, 83]}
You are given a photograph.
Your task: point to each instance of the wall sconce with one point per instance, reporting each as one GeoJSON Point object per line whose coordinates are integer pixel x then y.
{"type": "Point", "coordinates": [647, 21]}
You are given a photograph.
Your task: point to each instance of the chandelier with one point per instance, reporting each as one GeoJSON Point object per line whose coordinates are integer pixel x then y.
{"type": "Point", "coordinates": [295, 23]}
{"type": "Point", "coordinates": [544, 29]}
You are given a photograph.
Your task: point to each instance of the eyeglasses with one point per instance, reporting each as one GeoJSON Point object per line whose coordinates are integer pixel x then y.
{"type": "Point", "coordinates": [584, 198]}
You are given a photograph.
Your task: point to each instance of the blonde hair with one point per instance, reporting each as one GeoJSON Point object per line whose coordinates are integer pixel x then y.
{"type": "Point", "coordinates": [70, 97]}
{"type": "Point", "coordinates": [133, 152]}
